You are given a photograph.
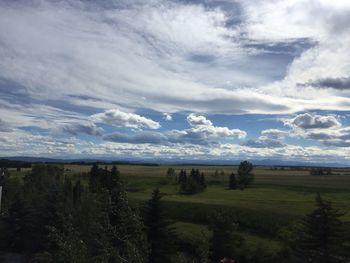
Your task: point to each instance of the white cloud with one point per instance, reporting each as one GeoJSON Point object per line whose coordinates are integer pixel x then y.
{"type": "Point", "coordinates": [202, 132]}
{"type": "Point", "coordinates": [197, 120]}
{"type": "Point", "coordinates": [119, 118]}
{"type": "Point", "coordinates": [167, 116]}
{"type": "Point", "coordinates": [201, 125]}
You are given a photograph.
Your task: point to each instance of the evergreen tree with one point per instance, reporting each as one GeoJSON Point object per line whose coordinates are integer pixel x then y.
{"type": "Point", "coordinates": [17, 224]}
{"type": "Point", "coordinates": [193, 183]}
{"type": "Point", "coordinates": [233, 184]}
{"type": "Point", "coordinates": [170, 172]}
{"type": "Point", "coordinates": [77, 192]}
{"type": "Point", "coordinates": [160, 235]}
{"type": "Point", "coordinates": [321, 236]}
{"type": "Point", "coordinates": [202, 181]}
{"type": "Point", "coordinates": [128, 237]}
{"type": "Point", "coordinates": [225, 242]}
{"type": "Point", "coordinates": [94, 178]}
{"type": "Point", "coordinates": [245, 175]}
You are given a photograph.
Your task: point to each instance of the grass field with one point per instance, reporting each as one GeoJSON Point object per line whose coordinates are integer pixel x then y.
{"type": "Point", "coordinates": [287, 191]}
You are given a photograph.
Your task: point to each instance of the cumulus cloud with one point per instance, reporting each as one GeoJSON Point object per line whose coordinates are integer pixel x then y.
{"type": "Point", "coordinates": [119, 118]}
{"type": "Point", "coordinates": [270, 138]}
{"type": "Point", "coordinates": [197, 120]}
{"type": "Point", "coordinates": [201, 125]}
{"type": "Point", "coordinates": [325, 129]}
{"type": "Point", "coordinates": [338, 137]}
{"type": "Point", "coordinates": [202, 132]}
{"type": "Point", "coordinates": [313, 121]}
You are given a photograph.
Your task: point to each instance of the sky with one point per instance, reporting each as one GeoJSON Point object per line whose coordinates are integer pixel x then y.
{"type": "Point", "coordinates": [176, 79]}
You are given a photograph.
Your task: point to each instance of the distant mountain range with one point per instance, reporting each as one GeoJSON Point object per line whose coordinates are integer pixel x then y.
{"type": "Point", "coordinates": [260, 162]}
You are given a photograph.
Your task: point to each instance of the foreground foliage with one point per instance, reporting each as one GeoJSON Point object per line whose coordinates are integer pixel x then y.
{"type": "Point", "coordinates": [52, 219]}
{"type": "Point", "coordinates": [321, 238]}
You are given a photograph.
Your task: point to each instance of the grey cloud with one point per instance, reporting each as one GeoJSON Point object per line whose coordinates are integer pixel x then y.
{"type": "Point", "coordinates": [337, 143]}
{"type": "Point", "coordinates": [275, 133]}
{"type": "Point", "coordinates": [5, 127]}
{"type": "Point", "coordinates": [140, 138]}
{"type": "Point", "coordinates": [264, 143]}
{"type": "Point", "coordinates": [332, 137]}
{"type": "Point", "coordinates": [334, 83]}
{"type": "Point", "coordinates": [170, 137]}
{"type": "Point", "coordinates": [77, 128]}
{"type": "Point", "coordinates": [311, 121]}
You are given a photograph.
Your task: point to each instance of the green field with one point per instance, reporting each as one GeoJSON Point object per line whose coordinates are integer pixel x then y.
{"type": "Point", "coordinates": [277, 199]}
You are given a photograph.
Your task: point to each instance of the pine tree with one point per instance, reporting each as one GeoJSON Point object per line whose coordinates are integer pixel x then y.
{"type": "Point", "coordinates": [321, 236]}
{"type": "Point", "coordinates": [160, 235]}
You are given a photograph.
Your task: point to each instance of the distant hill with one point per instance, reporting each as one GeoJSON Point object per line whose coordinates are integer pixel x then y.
{"type": "Point", "coordinates": [154, 162]}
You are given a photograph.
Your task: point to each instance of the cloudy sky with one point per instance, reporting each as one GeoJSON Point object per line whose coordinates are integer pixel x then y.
{"type": "Point", "coordinates": [176, 79]}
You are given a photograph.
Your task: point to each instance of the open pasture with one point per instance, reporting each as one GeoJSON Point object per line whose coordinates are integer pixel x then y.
{"type": "Point", "coordinates": [282, 190]}
{"type": "Point", "coordinates": [284, 176]}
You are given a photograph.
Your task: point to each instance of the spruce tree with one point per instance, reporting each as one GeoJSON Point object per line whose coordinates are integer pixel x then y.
{"type": "Point", "coordinates": [321, 236]}
{"type": "Point", "coordinates": [159, 233]}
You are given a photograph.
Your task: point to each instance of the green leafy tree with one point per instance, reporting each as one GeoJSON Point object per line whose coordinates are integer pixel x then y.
{"type": "Point", "coordinates": [321, 237]}
{"type": "Point", "coordinates": [245, 175]}
{"type": "Point", "coordinates": [160, 236]}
